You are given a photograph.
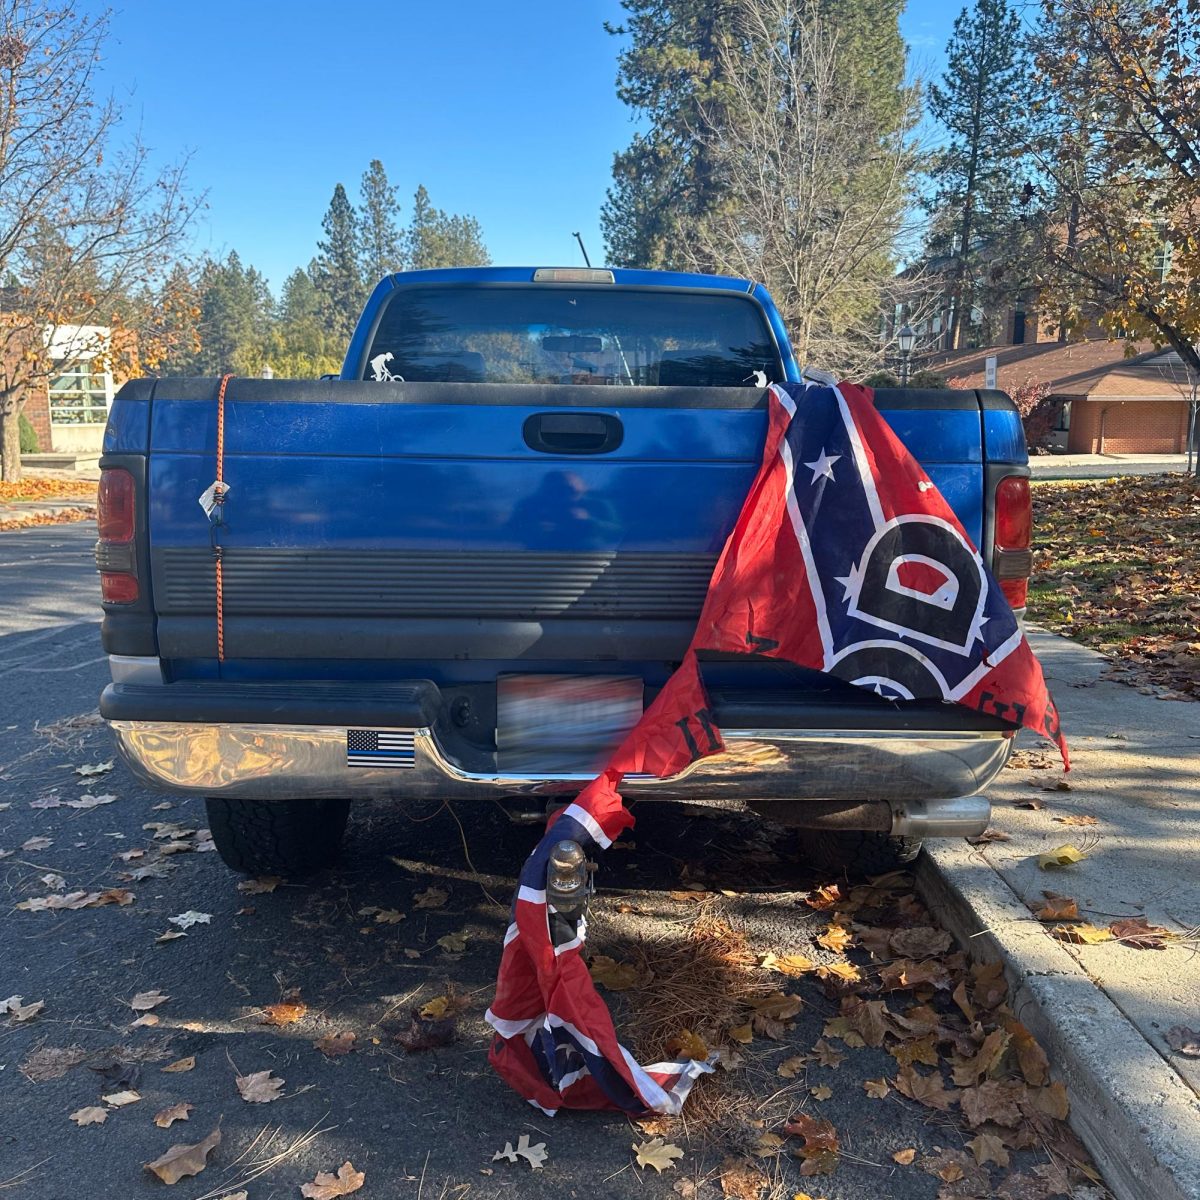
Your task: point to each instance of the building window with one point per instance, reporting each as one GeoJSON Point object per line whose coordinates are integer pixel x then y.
{"type": "Point", "coordinates": [1018, 337]}
{"type": "Point", "coordinates": [1063, 424]}
{"type": "Point", "coordinates": [80, 396]}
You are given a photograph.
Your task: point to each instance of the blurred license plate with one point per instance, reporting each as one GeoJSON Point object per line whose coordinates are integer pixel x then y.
{"type": "Point", "coordinates": [562, 723]}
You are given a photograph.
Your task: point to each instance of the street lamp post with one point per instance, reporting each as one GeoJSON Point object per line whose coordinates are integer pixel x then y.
{"type": "Point", "coordinates": [907, 338]}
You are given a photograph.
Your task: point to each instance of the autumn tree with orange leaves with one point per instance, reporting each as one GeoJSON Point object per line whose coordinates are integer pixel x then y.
{"type": "Point", "coordinates": [88, 229]}
{"type": "Point", "coordinates": [1120, 149]}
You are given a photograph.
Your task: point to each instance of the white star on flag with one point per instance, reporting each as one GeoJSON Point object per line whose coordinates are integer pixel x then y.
{"type": "Point", "coordinates": [823, 466]}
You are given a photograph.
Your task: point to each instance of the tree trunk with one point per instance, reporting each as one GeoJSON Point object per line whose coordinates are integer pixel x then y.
{"type": "Point", "coordinates": [10, 439]}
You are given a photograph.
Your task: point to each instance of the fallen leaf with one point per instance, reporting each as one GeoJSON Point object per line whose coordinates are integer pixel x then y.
{"type": "Point", "coordinates": [1184, 1040]}
{"type": "Point", "coordinates": [454, 943]}
{"type": "Point", "coordinates": [918, 1050]}
{"type": "Point", "coordinates": [992, 1100]}
{"type": "Point", "coordinates": [145, 1020]}
{"type": "Point", "coordinates": [147, 1000]}
{"type": "Point", "coordinates": [741, 1180]}
{"type": "Point", "coordinates": [836, 938]}
{"type": "Point", "coordinates": [259, 1087]}
{"type": "Point", "coordinates": [328, 1187]}
{"type": "Point", "coordinates": [925, 1089]}
{"type": "Point", "coordinates": [90, 1116]}
{"type": "Point", "coordinates": [535, 1155]}
{"type": "Point", "coordinates": [656, 1153]}
{"type": "Point", "coordinates": [972, 1070]}
{"type": "Point", "coordinates": [37, 843]}
{"type": "Point", "coordinates": [284, 1014]}
{"type": "Point", "coordinates": [687, 1045]}
{"type": "Point", "coordinates": [920, 942]}
{"type": "Point", "coordinates": [19, 1011]}
{"type": "Point", "coordinates": [1076, 819]}
{"type": "Point", "coordinates": [904, 1157]}
{"type": "Point", "coordinates": [742, 1034]}
{"type": "Point", "coordinates": [689, 897]}
{"type": "Point", "coordinates": [1083, 934]}
{"type": "Point", "coordinates": [768, 1145]}
{"type": "Point", "coordinates": [988, 1148]}
{"type": "Point", "coordinates": [1060, 856]}
{"type": "Point", "coordinates": [120, 1099]}
{"type": "Point", "coordinates": [870, 1019]}
{"type": "Point", "coordinates": [183, 1160]}
{"type": "Point", "coordinates": [1052, 1101]}
{"type": "Point", "coordinates": [170, 935]}
{"type": "Point", "coordinates": [1031, 1058]}
{"type": "Point", "coordinates": [787, 964]}
{"type": "Point", "coordinates": [180, 1065]}
{"type": "Point", "coordinates": [1031, 803]}
{"type": "Point", "coordinates": [821, 1092]}
{"type": "Point", "coordinates": [334, 1045]}
{"type": "Point", "coordinates": [187, 919]}
{"type": "Point", "coordinates": [432, 897]}
{"type": "Point", "coordinates": [827, 1056]}
{"type": "Point", "coordinates": [791, 1067]}
{"type": "Point", "coordinates": [390, 916]}
{"type": "Point", "coordinates": [1056, 908]}
{"type": "Point", "coordinates": [778, 1006]}
{"type": "Point", "coordinates": [613, 975]}
{"type": "Point", "coordinates": [876, 1089]}
{"type": "Point", "coordinates": [818, 1133]}
{"type": "Point", "coordinates": [166, 1117]}
{"type": "Point", "coordinates": [844, 972]}
{"type": "Point", "coordinates": [130, 855]}
{"type": "Point", "coordinates": [90, 801]}
{"type": "Point", "coordinates": [259, 886]}
{"type": "Point", "coordinates": [828, 896]}
{"type": "Point", "coordinates": [1139, 934]}
{"type": "Point", "coordinates": [94, 768]}
{"type": "Point", "coordinates": [56, 883]}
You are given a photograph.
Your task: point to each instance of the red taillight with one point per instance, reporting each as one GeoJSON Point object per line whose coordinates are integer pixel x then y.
{"type": "Point", "coordinates": [118, 588]}
{"type": "Point", "coordinates": [1012, 558]}
{"type": "Point", "coordinates": [115, 505]}
{"type": "Point", "coordinates": [116, 555]}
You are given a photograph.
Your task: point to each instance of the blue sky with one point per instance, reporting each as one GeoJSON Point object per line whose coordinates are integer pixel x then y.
{"type": "Point", "coordinates": [507, 112]}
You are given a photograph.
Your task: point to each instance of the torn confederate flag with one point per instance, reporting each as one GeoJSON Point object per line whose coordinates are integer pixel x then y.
{"type": "Point", "coordinates": [845, 559]}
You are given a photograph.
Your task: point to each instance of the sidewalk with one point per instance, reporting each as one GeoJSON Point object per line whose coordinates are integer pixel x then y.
{"type": "Point", "coordinates": [1103, 466]}
{"type": "Point", "coordinates": [1102, 1011]}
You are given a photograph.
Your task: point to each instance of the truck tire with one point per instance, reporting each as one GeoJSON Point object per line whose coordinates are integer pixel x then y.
{"type": "Point", "coordinates": [277, 837]}
{"type": "Point", "coordinates": [857, 852]}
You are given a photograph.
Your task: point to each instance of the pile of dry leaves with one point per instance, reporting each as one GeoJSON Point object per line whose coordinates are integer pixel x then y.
{"type": "Point", "coordinates": [48, 487]}
{"type": "Point", "coordinates": [895, 983]}
{"type": "Point", "coordinates": [1116, 565]}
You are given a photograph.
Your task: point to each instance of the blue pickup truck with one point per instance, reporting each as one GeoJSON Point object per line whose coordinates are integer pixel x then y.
{"type": "Point", "coordinates": [463, 567]}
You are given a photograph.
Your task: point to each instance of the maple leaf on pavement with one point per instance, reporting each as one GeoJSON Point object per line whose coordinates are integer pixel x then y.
{"type": "Point", "coordinates": [925, 1089]}
{"type": "Point", "coordinates": [656, 1153]}
{"type": "Point", "coordinates": [988, 1148]}
{"type": "Point", "coordinates": [1056, 908]}
{"type": "Point", "coordinates": [334, 1045]}
{"type": "Point", "coordinates": [1140, 934]}
{"type": "Point", "coordinates": [166, 1117]}
{"type": "Point", "coordinates": [90, 1116]}
{"type": "Point", "coordinates": [180, 1065]}
{"type": "Point", "coordinates": [183, 1160]}
{"type": "Point", "coordinates": [613, 975]}
{"type": "Point", "coordinates": [186, 920]}
{"type": "Point", "coordinates": [431, 897]}
{"type": "Point", "coordinates": [283, 1014]}
{"type": "Point", "coordinates": [534, 1155]}
{"type": "Point", "coordinates": [328, 1187]}
{"type": "Point", "coordinates": [259, 1087]}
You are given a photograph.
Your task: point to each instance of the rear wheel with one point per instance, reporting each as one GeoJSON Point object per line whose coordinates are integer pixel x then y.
{"type": "Point", "coordinates": [277, 837]}
{"type": "Point", "coordinates": [857, 852]}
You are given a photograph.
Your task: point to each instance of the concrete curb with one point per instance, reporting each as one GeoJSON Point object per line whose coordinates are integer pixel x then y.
{"type": "Point", "coordinates": [1136, 1116]}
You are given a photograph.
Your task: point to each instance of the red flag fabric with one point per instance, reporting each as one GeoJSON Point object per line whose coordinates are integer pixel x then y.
{"type": "Point", "coordinates": [845, 559]}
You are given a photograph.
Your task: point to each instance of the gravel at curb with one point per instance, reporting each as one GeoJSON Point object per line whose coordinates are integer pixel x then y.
{"type": "Point", "coordinates": [1136, 1116]}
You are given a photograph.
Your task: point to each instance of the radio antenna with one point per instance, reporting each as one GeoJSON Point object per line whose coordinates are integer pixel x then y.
{"type": "Point", "coordinates": [576, 235]}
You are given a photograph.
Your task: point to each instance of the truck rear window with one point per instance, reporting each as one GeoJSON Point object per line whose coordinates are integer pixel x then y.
{"type": "Point", "coordinates": [596, 335]}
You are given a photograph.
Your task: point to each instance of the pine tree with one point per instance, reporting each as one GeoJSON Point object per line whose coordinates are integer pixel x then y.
{"type": "Point", "coordinates": [978, 175]}
{"type": "Point", "coordinates": [302, 346]}
{"type": "Point", "coordinates": [233, 329]}
{"type": "Point", "coordinates": [438, 239]}
{"type": "Point", "coordinates": [380, 237]}
{"type": "Point", "coordinates": [337, 270]}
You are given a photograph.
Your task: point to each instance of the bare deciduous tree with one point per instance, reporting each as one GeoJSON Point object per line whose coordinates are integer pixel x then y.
{"type": "Point", "coordinates": [815, 189]}
{"type": "Point", "coordinates": [85, 224]}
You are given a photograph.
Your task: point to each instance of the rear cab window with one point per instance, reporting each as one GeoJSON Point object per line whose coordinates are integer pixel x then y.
{"type": "Point", "coordinates": [556, 334]}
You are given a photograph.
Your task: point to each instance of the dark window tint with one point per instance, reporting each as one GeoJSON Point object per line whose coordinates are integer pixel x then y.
{"type": "Point", "coordinates": [596, 335]}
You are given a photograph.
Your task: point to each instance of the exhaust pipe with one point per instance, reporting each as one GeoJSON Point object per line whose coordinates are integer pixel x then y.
{"type": "Point", "coordinates": [964, 816]}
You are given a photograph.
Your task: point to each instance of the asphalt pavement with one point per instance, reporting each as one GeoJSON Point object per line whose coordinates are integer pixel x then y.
{"type": "Point", "coordinates": [423, 1125]}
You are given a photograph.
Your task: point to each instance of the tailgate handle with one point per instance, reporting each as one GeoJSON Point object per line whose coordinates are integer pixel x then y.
{"type": "Point", "coordinates": [573, 432]}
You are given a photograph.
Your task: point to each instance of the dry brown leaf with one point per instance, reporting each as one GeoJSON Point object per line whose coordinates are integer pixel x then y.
{"type": "Point", "coordinates": [827, 1055]}
{"type": "Point", "coordinates": [791, 1067]}
{"type": "Point", "coordinates": [120, 1099]}
{"type": "Point", "coordinates": [925, 1089]}
{"type": "Point", "coordinates": [969, 1072]}
{"type": "Point", "coordinates": [687, 1045]}
{"type": "Point", "coordinates": [1076, 819]}
{"type": "Point", "coordinates": [818, 1133]}
{"type": "Point", "coordinates": [284, 1014]}
{"type": "Point", "coordinates": [166, 1117]}
{"type": "Point", "coordinates": [259, 1087]}
{"type": "Point", "coordinates": [904, 1157]}
{"type": "Point", "coordinates": [656, 1153]}
{"type": "Point", "coordinates": [454, 943]}
{"type": "Point", "coordinates": [334, 1045]}
{"type": "Point", "coordinates": [181, 1160]}
{"type": "Point", "coordinates": [1082, 934]}
{"type": "Point", "coordinates": [768, 1145]}
{"type": "Point", "coordinates": [876, 1089]}
{"type": "Point", "coordinates": [787, 964]}
{"type": "Point", "coordinates": [180, 1065]}
{"type": "Point", "coordinates": [90, 1116]}
{"type": "Point", "coordinates": [870, 1019]}
{"type": "Point", "coordinates": [779, 1006]}
{"type": "Point", "coordinates": [390, 916]}
{"type": "Point", "coordinates": [1056, 908]}
{"type": "Point", "coordinates": [147, 1000]}
{"type": "Point", "coordinates": [843, 972]}
{"type": "Point", "coordinates": [1031, 1058]}
{"type": "Point", "coordinates": [260, 886]}
{"type": "Point", "coordinates": [613, 975]}
{"type": "Point", "coordinates": [820, 1092]}
{"type": "Point", "coordinates": [918, 1050]}
{"type": "Point", "coordinates": [19, 1011]}
{"type": "Point", "coordinates": [993, 1101]}
{"type": "Point", "coordinates": [743, 1034]}
{"type": "Point", "coordinates": [988, 1148]}
{"type": "Point", "coordinates": [1139, 934]}
{"type": "Point", "coordinates": [432, 897]}
{"type": "Point", "coordinates": [741, 1180]}
{"type": "Point", "coordinates": [920, 942]}
{"type": "Point", "coordinates": [1052, 1101]}
{"type": "Point", "coordinates": [836, 938]}
{"type": "Point", "coordinates": [829, 896]}
{"type": "Point", "coordinates": [328, 1187]}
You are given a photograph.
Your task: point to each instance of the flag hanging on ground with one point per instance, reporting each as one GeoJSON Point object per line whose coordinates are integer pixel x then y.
{"type": "Point", "coordinates": [844, 559]}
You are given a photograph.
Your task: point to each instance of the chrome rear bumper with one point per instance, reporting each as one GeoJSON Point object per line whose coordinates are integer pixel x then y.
{"type": "Point", "coordinates": [296, 762]}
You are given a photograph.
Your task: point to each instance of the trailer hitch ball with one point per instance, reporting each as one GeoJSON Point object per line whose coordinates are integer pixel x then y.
{"type": "Point", "coordinates": [567, 879]}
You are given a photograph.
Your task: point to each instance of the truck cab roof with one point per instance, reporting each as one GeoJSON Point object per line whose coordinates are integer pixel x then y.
{"type": "Point", "coordinates": [621, 276]}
